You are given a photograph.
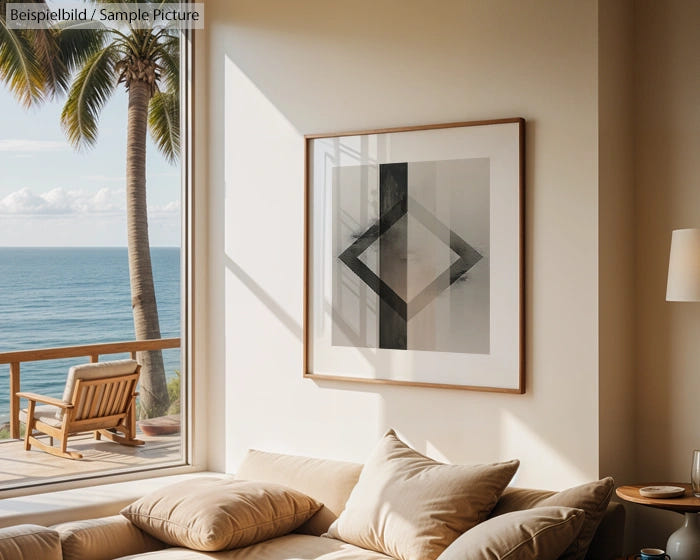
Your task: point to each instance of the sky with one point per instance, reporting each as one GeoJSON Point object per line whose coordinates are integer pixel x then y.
{"type": "Point", "coordinates": [54, 196]}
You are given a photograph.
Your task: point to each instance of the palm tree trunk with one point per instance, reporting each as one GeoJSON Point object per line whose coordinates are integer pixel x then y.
{"type": "Point", "coordinates": [153, 392]}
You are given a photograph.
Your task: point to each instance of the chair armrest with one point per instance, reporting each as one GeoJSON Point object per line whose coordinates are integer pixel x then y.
{"type": "Point", "coordinates": [43, 399]}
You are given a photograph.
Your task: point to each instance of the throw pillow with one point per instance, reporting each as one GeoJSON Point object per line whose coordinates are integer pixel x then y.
{"type": "Point", "coordinates": [592, 498]}
{"type": "Point", "coordinates": [210, 514]}
{"type": "Point", "coordinates": [541, 533]}
{"type": "Point", "coordinates": [411, 507]}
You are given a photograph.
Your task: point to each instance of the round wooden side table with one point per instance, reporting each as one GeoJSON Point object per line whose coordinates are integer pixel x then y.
{"type": "Point", "coordinates": [684, 544]}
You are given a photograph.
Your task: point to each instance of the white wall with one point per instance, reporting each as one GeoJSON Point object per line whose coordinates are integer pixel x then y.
{"type": "Point", "coordinates": [277, 70]}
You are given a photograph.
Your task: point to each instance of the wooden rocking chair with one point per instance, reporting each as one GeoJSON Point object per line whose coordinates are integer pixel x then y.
{"type": "Point", "coordinates": [98, 397]}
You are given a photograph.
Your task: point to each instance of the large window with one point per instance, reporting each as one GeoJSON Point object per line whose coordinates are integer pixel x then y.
{"type": "Point", "coordinates": [94, 153]}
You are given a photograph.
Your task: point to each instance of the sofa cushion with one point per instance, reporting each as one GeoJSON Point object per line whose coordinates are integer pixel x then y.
{"type": "Point", "coordinates": [288, 547]}
{"type": "Point", "coordinates": [541, 533]}
{"type": "Point", "coordinates": [29, 542]}
{"type": "Point", "coordinates": [411, 507]}
{"type": "Point", "coordinates": [592, 498]}
{"type": "Point", "coordinates": [104, 538]}
{"type": "Point", "coordinates": [326, 481]}
{"type": "Point", "coordinates": [210, 514]}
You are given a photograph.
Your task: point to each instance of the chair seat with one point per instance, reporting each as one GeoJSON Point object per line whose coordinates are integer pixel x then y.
{"type": "Point", "coordinates": [45, 413]}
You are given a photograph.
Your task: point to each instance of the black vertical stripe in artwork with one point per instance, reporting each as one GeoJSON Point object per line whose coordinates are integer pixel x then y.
{"type": "Point", "coordinates": [393, 253]}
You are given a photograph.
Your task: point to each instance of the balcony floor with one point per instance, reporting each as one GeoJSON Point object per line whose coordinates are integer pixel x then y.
{"type": "Point", "coordinates": [20, 468]}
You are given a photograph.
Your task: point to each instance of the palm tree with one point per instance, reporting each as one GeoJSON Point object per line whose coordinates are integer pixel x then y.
{"type": "Point", "coordinates": [146, 61]}
{"type": "Point", "coordinates": [38, 63]}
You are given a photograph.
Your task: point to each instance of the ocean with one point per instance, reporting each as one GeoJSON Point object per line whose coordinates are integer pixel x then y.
{"type": "Point", "coordinates": [53, 297]}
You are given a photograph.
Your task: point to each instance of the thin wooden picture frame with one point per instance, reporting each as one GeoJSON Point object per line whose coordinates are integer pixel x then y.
{"type": "Point", "coordinates": [414, 256]}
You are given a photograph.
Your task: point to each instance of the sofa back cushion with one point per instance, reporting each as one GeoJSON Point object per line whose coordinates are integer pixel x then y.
{"type": "Point", "coordinates": [326, 481]}
{"type": "Point", "coordinates": [30, 542]}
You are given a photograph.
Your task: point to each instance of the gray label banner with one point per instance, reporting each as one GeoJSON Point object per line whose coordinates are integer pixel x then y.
{"type": "Point", "coordinates": [105, 16]}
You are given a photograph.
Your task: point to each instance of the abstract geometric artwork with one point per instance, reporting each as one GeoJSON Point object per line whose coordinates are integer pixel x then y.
{"type": "Point", "coordinates": [412, 259]}
{"type": "Point", "coordinates": [414, 256]}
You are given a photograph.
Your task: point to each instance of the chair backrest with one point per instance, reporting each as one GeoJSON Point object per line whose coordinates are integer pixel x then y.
{"type": "Point", "coordinates": [104, 399]}
{"type": "Point", "coordinates": [98, 370]}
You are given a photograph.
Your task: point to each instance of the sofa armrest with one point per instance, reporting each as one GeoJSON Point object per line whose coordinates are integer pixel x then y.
{"type": "Point", "coordinates": [104, 538]}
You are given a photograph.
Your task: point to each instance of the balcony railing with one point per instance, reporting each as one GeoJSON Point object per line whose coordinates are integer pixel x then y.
{"type": "Point", "coordinates": [93, 351]}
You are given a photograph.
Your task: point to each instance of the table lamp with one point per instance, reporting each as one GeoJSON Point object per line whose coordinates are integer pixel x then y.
{"type": "Point", "coordinates": [684, 266]}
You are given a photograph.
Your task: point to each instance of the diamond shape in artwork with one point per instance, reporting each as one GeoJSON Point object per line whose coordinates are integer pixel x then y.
{"type": "Point", "coordinates": [467, 257]}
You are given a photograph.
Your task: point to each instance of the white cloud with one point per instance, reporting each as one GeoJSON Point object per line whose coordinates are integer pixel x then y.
{"type": "Point", "coordinates": [62, 202]}
{"type": "Point", "coordinates": [23, 202]}
{"type": "Point", "coordinates": [25, 146]}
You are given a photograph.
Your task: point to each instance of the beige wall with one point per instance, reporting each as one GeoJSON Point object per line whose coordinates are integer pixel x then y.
{"type": "Point", "coordinates": [616, 237]}
{"type": "Point", "coordinates": [278, 70]}
{"type": "Point", "coordinates": [616, 242]}
{"type": "Point", "coordinates": [667, 138]}
{"type": "Point", "coordinates": [609, 90]}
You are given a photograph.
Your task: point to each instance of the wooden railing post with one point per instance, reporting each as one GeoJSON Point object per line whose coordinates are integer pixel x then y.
{"type": "Point", "coordinates": [14, 400]}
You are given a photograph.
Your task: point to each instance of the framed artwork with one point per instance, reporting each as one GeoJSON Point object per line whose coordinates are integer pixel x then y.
{"type": "Point", "coordinates": [414, 256]}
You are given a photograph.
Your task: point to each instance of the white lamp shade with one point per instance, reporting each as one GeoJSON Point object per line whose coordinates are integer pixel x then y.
{"type": "Point", "coordinates": [684, 266]}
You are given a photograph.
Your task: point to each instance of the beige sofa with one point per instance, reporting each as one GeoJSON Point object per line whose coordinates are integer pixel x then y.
{"type": "Point", "coordinates": [328, 482]}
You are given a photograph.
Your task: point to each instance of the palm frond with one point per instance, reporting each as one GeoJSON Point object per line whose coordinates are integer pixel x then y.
{"type": "Point", "coordinates": [42, 42]}
{"type": "Point", "coordinates": [164, 123]}
{"type": "Point", "coordinates": [20, 67]}
{"type": "Point", "coordinates": [169, 55]}
{"type": "Point", "coordinates": [77, 44]}
{"type": "Point", "coordinates": [56, 74]}
{"type": "Point", "coordinates": [92, 86]}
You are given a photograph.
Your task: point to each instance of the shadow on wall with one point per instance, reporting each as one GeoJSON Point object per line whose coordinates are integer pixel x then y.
{"type": "Point", "coordinates": [265, 298]}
